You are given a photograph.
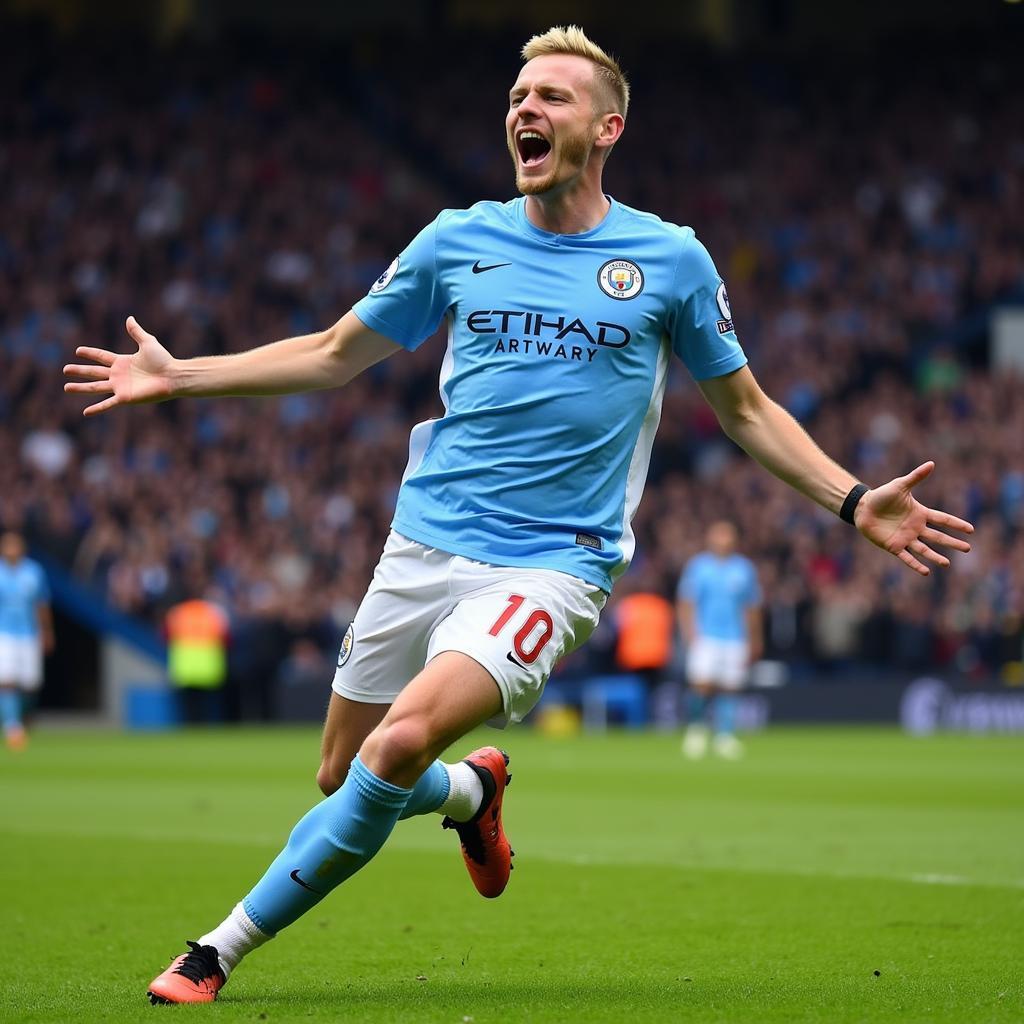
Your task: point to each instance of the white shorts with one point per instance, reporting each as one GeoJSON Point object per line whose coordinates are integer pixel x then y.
{"type": "Point", "coordinates": [515, 622]}
{"type": "Point", "coordinates": [21, 661]}
{"type": "Point", "coordinates": [718, 662]}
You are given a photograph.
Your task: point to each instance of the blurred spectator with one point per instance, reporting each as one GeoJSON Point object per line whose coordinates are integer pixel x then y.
{"type": "Point", "coordinates": [302, 673]}
{"type": "Point", "coordinates": [26, 634]}
{"type": "Point", "coordinates": [645, 631]}
{"type": "Point", "coordinates": [197, 640]}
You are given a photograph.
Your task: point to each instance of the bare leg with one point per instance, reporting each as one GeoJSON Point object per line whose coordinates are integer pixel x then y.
{"type": "Point", "coordinates": [450, 697]}
{"type": "Point", "coordinates": [348, 724]}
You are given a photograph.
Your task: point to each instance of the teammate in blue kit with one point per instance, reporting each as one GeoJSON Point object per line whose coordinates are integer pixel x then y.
{"type": "Point", "coordinates": [563, 308]}
{"type": "Point", "coordinates": [719, 607]}
{"type": "Point", "coordinates": [26, 634]}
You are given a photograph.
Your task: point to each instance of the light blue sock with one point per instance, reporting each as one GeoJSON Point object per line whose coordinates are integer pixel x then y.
{"type": "Point", "coordinates": [696, 708]}
{"type": "Point", "coordinates": [10, 709]}
{"type": "Point", "coordinates": [333, 841]}
{"type": "Point", "coordinates": [725, 714]}
{"type": "Point", "coordinates": [429, 793]}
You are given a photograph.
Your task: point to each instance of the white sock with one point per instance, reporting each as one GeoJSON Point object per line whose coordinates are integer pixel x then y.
{"type": "Point", "coordinates": [465, 792]}
{"type": "Point", "coordinates": [235, 936]}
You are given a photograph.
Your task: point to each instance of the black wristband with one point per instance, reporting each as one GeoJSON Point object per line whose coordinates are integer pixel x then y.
{"type": "Point", "coordinates": [852, 500]}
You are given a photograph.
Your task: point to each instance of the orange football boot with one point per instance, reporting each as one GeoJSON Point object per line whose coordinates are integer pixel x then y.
{"type": "Point", "coordinates": [485, 847]}
{"type": "Point", "coordinates": [193, 977]}
{"type": "Point", "coordinates": [17, 738]}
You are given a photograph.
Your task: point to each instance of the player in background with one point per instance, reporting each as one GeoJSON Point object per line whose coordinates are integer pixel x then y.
{"type": "Point", "coordinates": [26, 634]}
{"type": "Point", "coordinates": [719, 610]}
{"type": "Point", "coordinates": [512, 523]}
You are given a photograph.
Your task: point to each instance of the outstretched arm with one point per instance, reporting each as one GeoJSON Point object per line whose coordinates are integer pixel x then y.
{"type": "Point", "coordinates": [44, 615]}
{"type": "Point", "coordinates": [326, 359]}
{"type": "Point", "coordinates": [755, 632]}
{"type": "Point", "coordinates": [889, 516]}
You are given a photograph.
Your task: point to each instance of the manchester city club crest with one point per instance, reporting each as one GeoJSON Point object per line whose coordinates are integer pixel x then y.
{"type": "Point", "coordinates": [621, 279]}
{"type": "Point", "coordinates": [346, 646]}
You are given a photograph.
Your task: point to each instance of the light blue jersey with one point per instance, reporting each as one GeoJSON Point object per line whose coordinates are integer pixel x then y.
{"type": "Point", "coordinates": [721, 590]}
{"type": "Point", "coordinates": [23, 588]}
{"type": "Point", "coordinates": [558, 351]}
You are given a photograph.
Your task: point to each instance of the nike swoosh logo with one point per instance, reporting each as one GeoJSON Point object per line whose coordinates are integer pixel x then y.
{"type": "Point", "coordinates": [294, 876]}
{"type": "Point", "coordinates": [513, 660]}
{"type": "Point", "coordinates": [477, 269]}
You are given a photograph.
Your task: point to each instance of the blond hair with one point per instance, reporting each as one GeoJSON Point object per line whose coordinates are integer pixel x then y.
{"type": "Point", "coordinates": [572, 40]}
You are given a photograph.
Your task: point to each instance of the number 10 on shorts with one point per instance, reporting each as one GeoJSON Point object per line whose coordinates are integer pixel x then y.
{"type": "Point", "coordinates": [534, 633]}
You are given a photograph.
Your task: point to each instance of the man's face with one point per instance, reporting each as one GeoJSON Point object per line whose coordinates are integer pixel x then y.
{"type": "Point", "coordinates": [552, 122]}
{"type": "Point", "coordinates": [12, 547]}
{"type": "Point", "coordinates": [722, 538]}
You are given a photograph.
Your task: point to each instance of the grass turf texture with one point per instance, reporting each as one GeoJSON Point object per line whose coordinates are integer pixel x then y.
{"type": "Point", "coordinates": [832, 876]}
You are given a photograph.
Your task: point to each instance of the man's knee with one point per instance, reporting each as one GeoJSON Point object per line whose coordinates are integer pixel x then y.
{"type": "Point", "coordinates": [401, 748]}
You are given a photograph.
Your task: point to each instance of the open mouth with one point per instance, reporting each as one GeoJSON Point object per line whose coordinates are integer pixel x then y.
{"type": "Point", "coordinates": [533, 148]}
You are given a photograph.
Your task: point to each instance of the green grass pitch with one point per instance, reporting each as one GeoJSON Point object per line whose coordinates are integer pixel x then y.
{"type": "Point", "coordinates": [834, 875]}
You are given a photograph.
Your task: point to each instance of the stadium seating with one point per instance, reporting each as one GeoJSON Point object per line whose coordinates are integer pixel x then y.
{"type": "Point", "coordinates": [231, 207]}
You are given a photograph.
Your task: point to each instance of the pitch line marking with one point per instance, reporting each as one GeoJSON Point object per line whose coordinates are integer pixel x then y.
{"type": "Point", "coordinates": [151, 835]}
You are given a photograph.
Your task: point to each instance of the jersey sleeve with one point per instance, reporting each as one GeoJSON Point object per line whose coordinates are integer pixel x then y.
{"type": "Point", "coordinates": [407, 301]}
{"type": "Point", "coordinates": [753, 596]}
{"type": "Point", "coordinates": [42, 587]}
{"type": "Point", "coordinates": [700, 320]}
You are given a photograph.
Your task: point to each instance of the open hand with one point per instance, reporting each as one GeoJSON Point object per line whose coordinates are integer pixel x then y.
{"type": "Point", "coordinates": [143, 376]}
{"type": "Point", "coordinates": [893, 519]}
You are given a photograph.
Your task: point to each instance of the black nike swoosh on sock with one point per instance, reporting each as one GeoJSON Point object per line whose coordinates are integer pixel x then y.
{"type": "Point", "coordinates": [294, 876]}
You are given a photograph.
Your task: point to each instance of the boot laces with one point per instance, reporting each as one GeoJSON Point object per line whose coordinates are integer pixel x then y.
{"type": "Point", "coordinates": [199, 964]}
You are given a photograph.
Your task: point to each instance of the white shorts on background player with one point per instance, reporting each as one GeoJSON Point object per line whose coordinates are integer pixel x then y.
{"type": "Point", "coordinates": [718, 662]}
{"type": "Point", "coordinates": [515, 622]}
{"type": "Point", "coordinates": [21, 661]}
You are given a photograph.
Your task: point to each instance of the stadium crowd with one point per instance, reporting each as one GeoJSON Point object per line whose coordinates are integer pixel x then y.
{"type": "Point", "coordinates": [229, 202]}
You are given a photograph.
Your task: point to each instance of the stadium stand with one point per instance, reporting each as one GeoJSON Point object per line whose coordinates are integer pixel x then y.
{"type": "Point", "coordinates": [229, 202]}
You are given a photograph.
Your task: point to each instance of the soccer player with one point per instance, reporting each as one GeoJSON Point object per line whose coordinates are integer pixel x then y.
{"type": "Point", "coordinates": [719, 610]}
{"type": "Point", "coordinates": [563, 308]}
{"type": "Point", "coordinates": [26, 633]}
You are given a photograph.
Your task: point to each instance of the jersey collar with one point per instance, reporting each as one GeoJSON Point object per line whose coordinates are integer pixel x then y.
{"type": "Point", "coordinates": [553, 238]}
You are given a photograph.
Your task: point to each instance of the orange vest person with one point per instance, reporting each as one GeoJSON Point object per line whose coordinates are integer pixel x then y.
{"type": "Point", "coordinates": [197, 637]}
{"type": "Point", "coordinates": [646, 628]}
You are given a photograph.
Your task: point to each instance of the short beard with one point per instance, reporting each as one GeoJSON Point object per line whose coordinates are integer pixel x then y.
{"type": "Point", "coordinates": [574, 151]}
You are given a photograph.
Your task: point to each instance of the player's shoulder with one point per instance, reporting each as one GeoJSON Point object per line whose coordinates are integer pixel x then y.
{"type": "Point", "coordinates": [634, 221]}
{"type": "Point", "coordinates": [693, 261]}
{"type": "Point", "coordinates": [486, 213]}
